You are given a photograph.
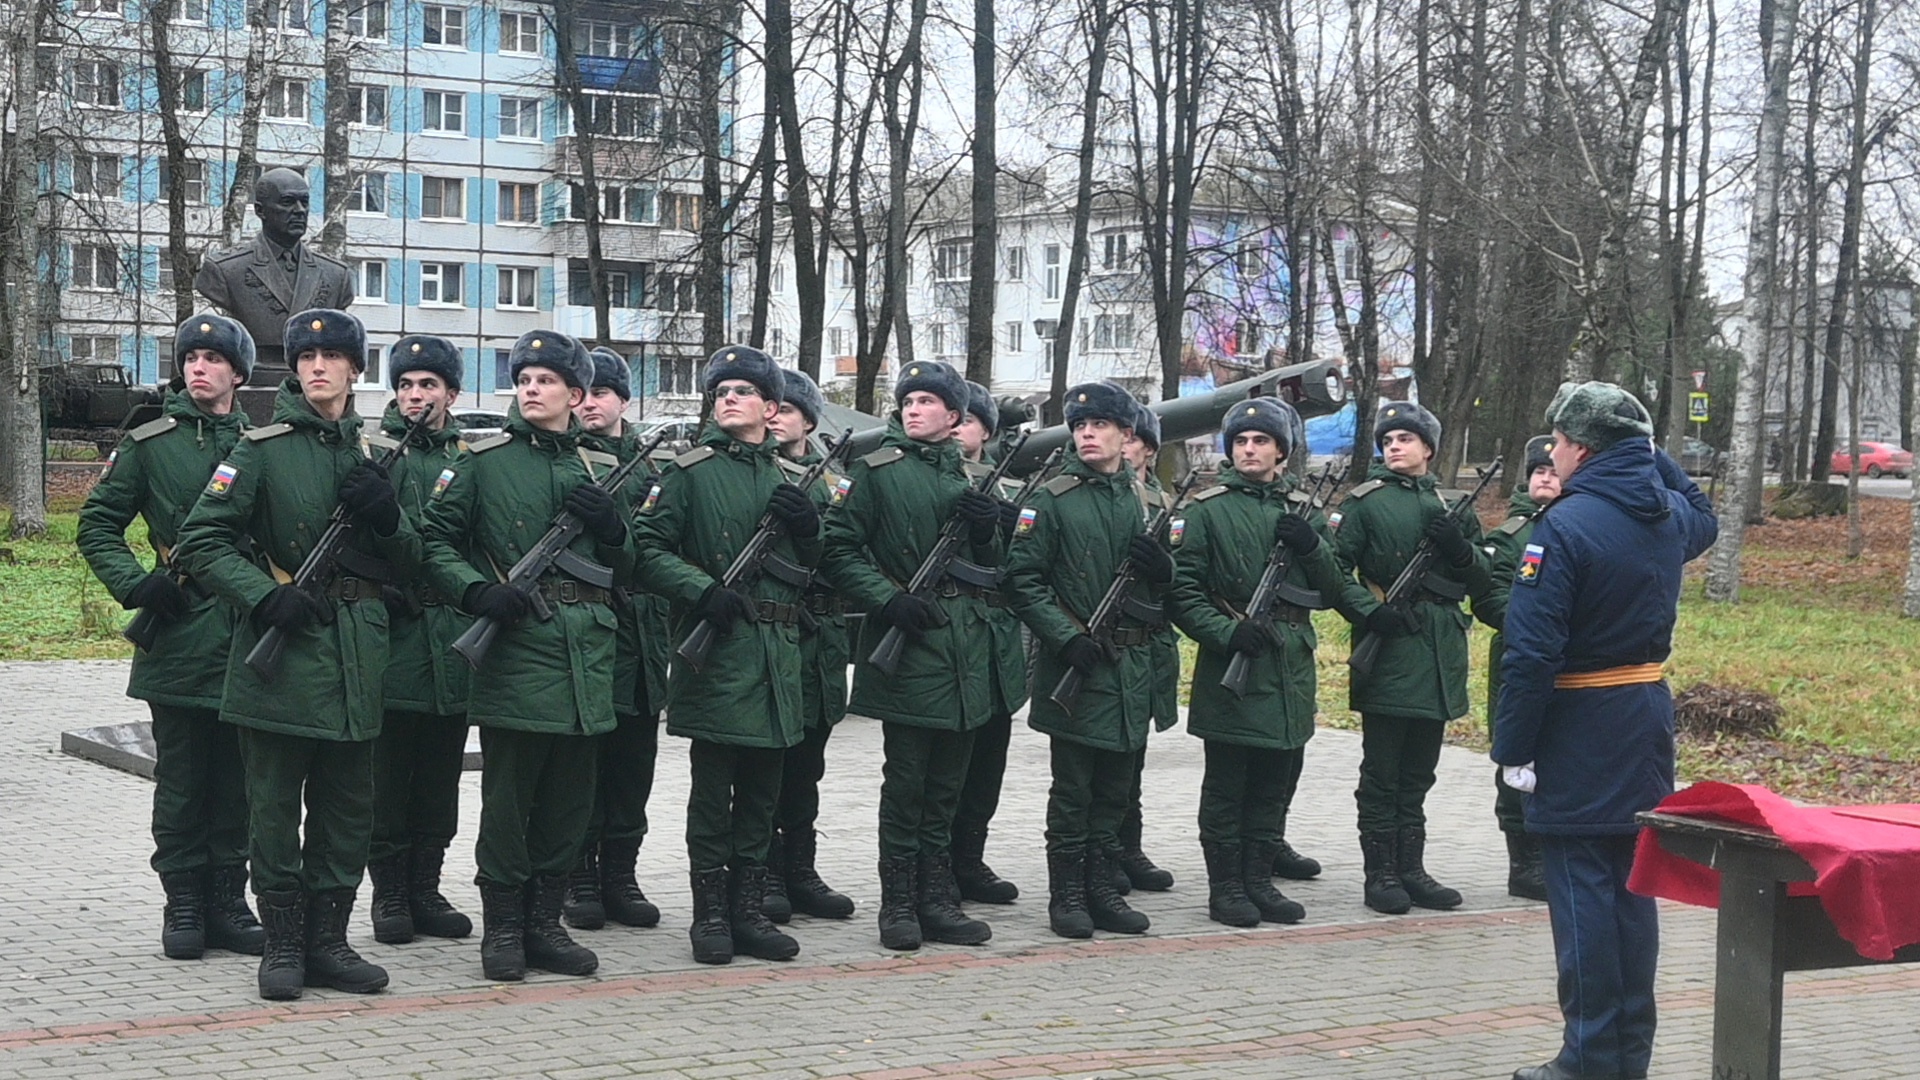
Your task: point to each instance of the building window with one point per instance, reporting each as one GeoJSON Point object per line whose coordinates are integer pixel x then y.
{"type": "Point", "coordinates": [679, 375]}
{"type": "Point", "coordinates": [443, 197]}
{"type": "Point", "coordinates": [776, 276]}
{"type": "Point", "coordinates": [193, 91]}
{"type": "Point", "coordinates": [367, 193]}
{"type": "Point", "coordinates": [1051, 258]}
{"type": "Point", "coordinates": [519, 118]}
{"type": "Point", "coordinates": [1349, 260]}
{"type": "Point", "coordinates": [367, 105]}
{"type": "Point", "coordinates": [777, 341]}
{"type": "Point", "coordinates": [595, 38]}
{"type": "Point", "coordinates": [96, 82]}
{"type": "Point", "coordinates": [1010, 335]}
{"type": "Point", "coordinates": [625, 283]}
{"type": "Point", "coordinates": [517, 284]}
{"type": "Point", "coordinates": [502, 358]}
{"type": "Point", "coordinates": [444, 111]}
{"type": "Point", "coordinates": [1248, 338]}
{"type": "Point", "coordinates": [370, 281]}
{"type": "Point", "coordinates": [680, 210]}
{"type": "Point", "coordinates": [440, 284]}
{"type": "Point", "coordinates": [96, 266]}
{"type": "Point", "coordinates": [635, 204]}
{"type": "Point", "coordinates": [622, 116]}
{"type": "Point", "coordinates": [680, 127]}
{"type": "Point", "coordinates": [953, 260]}
{"type": "Point", "coordinates": [96, 176]}
{"type": "Point", "coordinates": [1250, 261]}
{"type": "Point", "coordinates": [519, 204]}
{"type": "Point", "coordinates": [676, 293]}
{"type": "Point", "coordinates": [163, 270]}
{"type": "Point", "coordinates": [444, 26]}
{"type": "Point", "coordinates": [193, 178]}
{"type": "Point", "coordinates": [109, 8]}
{"type": "Point", "coordinates": [839, 341]}
{"type": "Point", "coordinates": [1113, 252]}
{"type": "Point", "coordinates": [191, 11]}
{"type": "Point", "coordinates": [96, 347]}
{"type": "Point", "coordinates": [519, 33]}
{"type": "Point", "coordinates": [367, 20]}
{"type": "Point", "coordinates": [846, 276]}
{"type": "Point", "coordinates": [375, 373]}
{"type": "Point", "coordinates": [1113, 331]}
{"type": "Point", "coordinates": [287, 100]}
{"type": "Point", "coordinates": [287, 16]}
{"type": "Point", "coordinates": [1016, 264]}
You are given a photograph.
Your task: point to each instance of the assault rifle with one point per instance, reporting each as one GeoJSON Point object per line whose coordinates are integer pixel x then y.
{"type": "Point", "coordinates": [552, 550]}
{"type": "Point", "coordinates": [1366, 652]}
{"type": "Point", "coordinates": [746, 566]}
{"type": "Point", "coordinates": [886, 655]}
{"type": "Point", "coordinates": [321, 562]}
{"type": "Point", "coordinates": [1266, 593]}
{"type": "Point", "coordinates": [1100, 627]}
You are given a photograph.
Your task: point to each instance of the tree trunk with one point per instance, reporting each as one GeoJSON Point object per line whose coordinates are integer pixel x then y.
{"type": "Point", "coordinates": [1099, 37]}
{"type": "Point", "coordinates": [1847, 262]}
{"type": "Point", "coordinates": [716, 210]}
{"type": "Point", "coordinates": [573, 96]}
{"type": "Point", "coordinates": [808, 283]}
{"type": "Point", "coordinates": [335, 157]}
{"type": "Point", "coordinates": [246, 156]}
{"type": "Point", "coordinates": [903, 124]}
{"type": "Point", "coordinates": [173, 149]}
{"type": "Point", "coordinates": [20, 397]}
{"type": "Point", "coordinates": [986, 166]}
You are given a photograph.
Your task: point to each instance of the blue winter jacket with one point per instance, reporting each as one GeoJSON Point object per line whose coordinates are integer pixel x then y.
{"type": "Point", "coordinates": [1597, 588]}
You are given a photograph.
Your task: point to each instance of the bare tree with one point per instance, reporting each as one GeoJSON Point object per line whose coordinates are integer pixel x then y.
{"type": "Point", "coordinates": [1098, 18]}
{"type": "Point", "coordinates": [986, 179]}
{"type": "Point", "coordinates": [254, 76]}
{"type": "Point", "coordinates": [20, 396]}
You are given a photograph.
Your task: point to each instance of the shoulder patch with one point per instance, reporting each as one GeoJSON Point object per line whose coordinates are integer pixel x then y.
{"type": "Point", "coordinates": [886, 455]}
{"type": "Point", "coordinates": [694, 457]}
{"type": "Point", "coordinates": [1024, 523]}
{"type": "Point", "coordinates": [481, 446]}
{"type": "Point", "coordinates": [154, 427]}
{"type": "Point", "coordinates": [1532, 562]}
{"type": "Point", "coordinates": [222, 480]}
{"type": "Point", "coordinates": [1366, 489]}
{"type": "Point", "coordinates": [1060, 485]}
{"type": "Point", "coordinates": [261, 434]}
{"type": "Point", "coordinates": [1213, 492]}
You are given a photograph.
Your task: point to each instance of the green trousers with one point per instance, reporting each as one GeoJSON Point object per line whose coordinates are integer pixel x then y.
{"type": "Point", "coordinates": [920, 784]}
{"type": "Point", "coordinates": [800, 774]}
{"type": "Point", "coordinates": [199, 791]}
{"type": "Point", "coordinates": [334, 781]}
{"type": "Point", "coordinates": [731, 803]}
{"type": "Point", "coordinates": [1088, 798]}
{"type": "Point", "coordinates": [1398, 756]}
{"type": "Point", "coordinates": [417, 760]}
{"type": "Point", "coordinates": [1245, 792]}
{"type": "Point", "coordinates": [627, 755]}
{"type": "Point", "coordinates": [536, 794]}
{"type": "Point", "coordinates": [986, 769]}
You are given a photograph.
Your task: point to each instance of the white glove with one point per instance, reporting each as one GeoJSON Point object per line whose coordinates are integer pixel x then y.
{"type": "Point", "coordinates": [1519, 777]}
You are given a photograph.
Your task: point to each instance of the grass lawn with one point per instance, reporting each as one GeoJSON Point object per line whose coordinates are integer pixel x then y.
{"type": "Point", "coordinates": [55, 608]}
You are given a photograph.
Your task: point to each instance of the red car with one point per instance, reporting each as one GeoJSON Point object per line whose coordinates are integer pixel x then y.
{"type": "Point", "coordinates": [1877, 459]}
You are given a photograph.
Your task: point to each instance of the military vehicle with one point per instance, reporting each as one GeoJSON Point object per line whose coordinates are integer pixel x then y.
{"type": "Point", "coordinates": [94, 401]}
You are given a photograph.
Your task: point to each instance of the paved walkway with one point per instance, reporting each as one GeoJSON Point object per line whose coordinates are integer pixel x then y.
{"type": "Point", "coordinates": [84, 990]}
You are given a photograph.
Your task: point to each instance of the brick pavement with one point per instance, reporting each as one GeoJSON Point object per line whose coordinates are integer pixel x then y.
{"type": "Point", "coordinates": [1346, 994]}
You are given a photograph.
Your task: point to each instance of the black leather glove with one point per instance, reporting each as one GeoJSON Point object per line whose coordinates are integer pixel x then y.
{"type": "Point", "coordinates": [1449, 541]}
{"type": "Point", "coordinates": [795, 512]}
{"type": "Point", "coordinates": [1294, 531]}
{"type": "Point", "coordinates": [1009, 519]}
{"type": "Point", "coordinates": [724, 607]}
{"type": "Point", "coordinates": [1153, 562]}
{"type": "Point", "coordinates": [911, 614]}
{"type": "Point", "coordinates": [981, 512]}
{"type": "Point", "coordinates": [503, 604]}
{"type": "Point", "coordinates": [1249, 639]}
{"type": "Point", "coordinates": [1393, 620]}
{"type": "Point", "coordinates": [159, 592]}
{"type": "Point", "coordinates": [367, 494]}
{"type": "Point", "coordinates": [598, 512]}
{"type": "Point", "coordinates": [288, 608]}
{"type": "Point", "coordinates": [1082, 653]}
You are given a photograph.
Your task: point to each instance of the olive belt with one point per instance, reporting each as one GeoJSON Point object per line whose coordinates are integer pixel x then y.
{"type": "Point", "coordinates": [353, 588]}
{"type": "Point", "coordinates": [1291, 614]}
{"type": "Point", "coordinates": [1626, 675]}
{"type": "Point", "coordinates": [774, 611]}
{"type": "Point", "coordinates": [1126, 636]}
{"type": "Point", "coordinates": [569, 591]}
{"type": "Point", "coordinates": [427, 596]}
{"type": "Point", "coordinates": [950, 588]}
{"type": "Point", "coordinates": [826, 603]}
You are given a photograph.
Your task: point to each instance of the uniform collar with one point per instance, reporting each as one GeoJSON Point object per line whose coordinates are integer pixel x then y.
{"type": "Point", "coordinates": [942, 454]}
{"type": "Point", "coordinates": [1277, 488]}
{"type": "Point", "coordinates": [563, 441]}
{"type": "Point", "coordinates": [1119, 478]}
{"type": "Point", "coordinates": [712, 436]}
{"type": "Point", "coordinates": [290, 407]}
{"type": "Point", "coordinates": [1379, 471]}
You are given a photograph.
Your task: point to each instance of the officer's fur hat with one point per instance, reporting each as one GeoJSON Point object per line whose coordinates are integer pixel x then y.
{"type": "Point", "coordinates": [1406, 416]}
{"type": "Point", "coordinates": [804, 394]}
{"type": "Point", "coordinates": [610, 371]}
{"type": "Point", "coordinates": [748, 364]}
{"type": "Point", "coordinates": [559, 353]}
{"type": "Point", "coordinates": [1102, 400]}
{"type": "Point", "coordinates": [326, 328]}
{"type": "Point", "coordinates": [1598, 414]}
{"type": "Point", "coordinates": [1539, 455]}
{"type": "Point", "coordinates": [216, 333]}
{"type": "Point", "coordinates": [934, 378]}
{"type": "Point", "coordinates": [425, 352]}
{"type": "Point", "coordinates": [981, 404]}
{"type": "Point", "coordinates": [1146, 424]}
{"type": "Point", "coordinates": [1270, 416]}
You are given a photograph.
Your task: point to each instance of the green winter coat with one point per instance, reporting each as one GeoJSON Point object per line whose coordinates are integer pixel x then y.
{"type": "Point", "coordinates": [1223, 540]}
{"type": "Point", "coordinates": [1375, 532]}
{"type": "Point", "coordinates": [694, 521]}
{"type": "Point", "coordinates": [825, 651]}
{"type": "Point", "coordinates": [1503, 547]}
{"type": "Point", "coordinates": [640, 655]}
{"type": "Point", "coordinates": [1071, 540]}
{"type": "Point", "coordinates": [552, 677]}
{"type": "Point", "coordinates": [424, 675]}
{"type": "Point", "coordinates": [1009, 649]}
{"type": "Point", "coordinates": [896, 501]}
{"type": "Point", "coordinates": [158, 471]}
{"type": "Point", "coordinates": [273, 495]}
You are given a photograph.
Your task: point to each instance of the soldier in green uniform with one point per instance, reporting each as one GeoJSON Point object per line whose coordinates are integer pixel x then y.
{"type": "Point", "coordinates": [422, 746]}
{"type": "Point", "coordinates": [898, 499]}
{"type": "Point", "coordinates": [546, 687]}
{"type": "Point", "coordinates": [306, 735]}
{"type": "Point", "coordinates": [603, 883]}
{"type": "Point", "coordinates": [1539, 485]}
{"type": "Point", "coordinates": [199, 792]}
{"type": "Point", "coordinates": [744, 706]}
{"type": "Point", "coordinates": [1256, 743]}
{"type": "Point", "coordinates": [1139, 871]}
{"type": "Point", "coordinates": [987, 765]}
{"type": "Point", "coordinates": [1072, 538]}
{"type": "Point", "coordinates": [793, 881]}
{"type": "Point", "coordinates": [1420, 680]}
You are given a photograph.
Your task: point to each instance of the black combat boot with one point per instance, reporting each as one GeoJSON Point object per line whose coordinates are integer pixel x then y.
{"type": "Point", "coordinates": [1290, 864]}
{"type": "Point", "coordinates": [1109, 911]}
{"type": "Point", "coordinates": [1258, 879]}
{"type": "Point", "coordinates": [976, 879]}
{"type": "Point", "coordinates": [1067, 911]}
{"type": "Point", "coordinates": [775, 904]}
{"type": "Point", "coordinates": [392, 914]}
{"type": "Point", "coordinates": [503, 931]}
{"type": "Point", "coordinates": [941, 919]}
{"type": "Point", "coordinates": [585, 910]}
{"type": "Point", "coordinates": [230, 922]}
{"type": "Point", "coordinates": [183, 922]}
{"type": "Point", "coordinates": [1384, 891]}
{"type": "Point", "coordinates": [1122, 884]}
{"type": "Point", "coordinates": [753, 933]}
{"type": "Point", "coordinates": [1226, 891]}
{"type": "Point", "coordinates": [809, 894]}
{"type": "Point", "coordinates": [1526, 878]}
{"type": "Point", "coordinates": [433, 914]}
{"type": "Point", "coordinates": [331, 962]}
{"type": "Point", "coordinates": [548, 946]}
{"type": "Point", "coordinates": [1421, 888]}
{"type": "Point", "coordinates": [710, 933]}
{"type": "Point", "coordinates": [619, 893]}
{"type": "Point", "coordinates": [899, 892]}
{"type": "Point", "coordinates": [283, 959]}
{"type": "Point", "coordinates": [1140, 870]}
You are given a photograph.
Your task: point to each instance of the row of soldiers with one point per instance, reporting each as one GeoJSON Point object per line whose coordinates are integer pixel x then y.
{"type": "Point", "coordinates": [365, 719]}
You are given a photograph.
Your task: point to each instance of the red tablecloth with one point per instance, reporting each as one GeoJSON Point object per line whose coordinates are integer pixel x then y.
{"type": "Point", "coordinates": [1867, 871]}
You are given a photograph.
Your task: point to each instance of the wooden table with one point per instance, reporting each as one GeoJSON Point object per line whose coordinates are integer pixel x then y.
{"type": "Point", "coordinates": [1763, 934]}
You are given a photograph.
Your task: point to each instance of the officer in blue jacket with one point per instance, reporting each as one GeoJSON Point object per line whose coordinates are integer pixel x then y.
{"type": "Point", "coordinates": [1585, 718]}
